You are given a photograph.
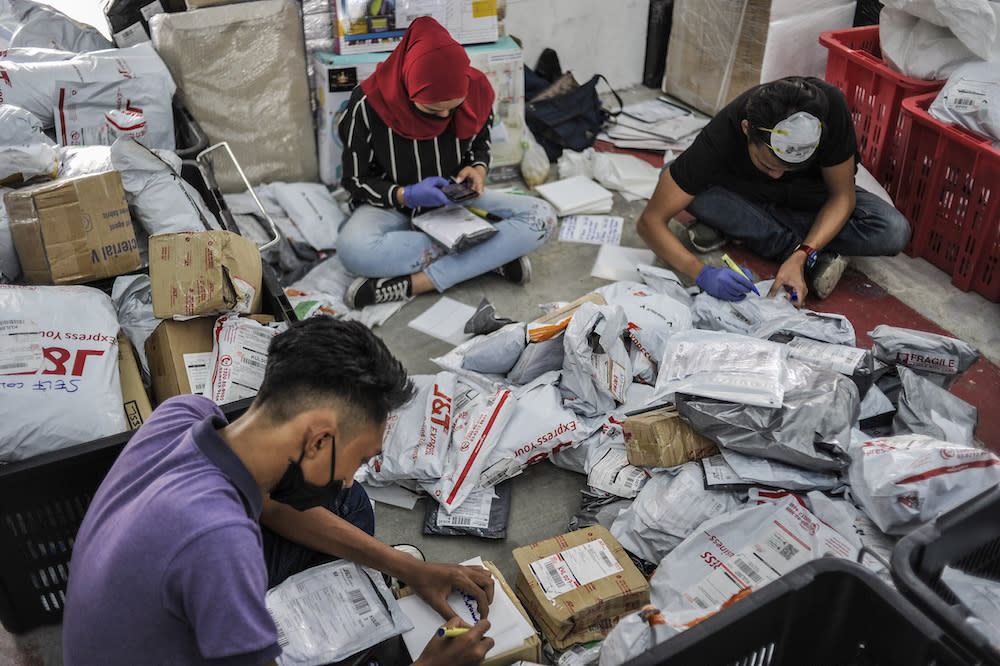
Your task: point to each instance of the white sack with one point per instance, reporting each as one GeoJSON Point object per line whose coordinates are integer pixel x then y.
{"type": "Point", "coordinates": [34, 86]}
{"type": "Point", "coordinates": [762, 317]}
{"type": "Point", "coordinates": [476, 430]}
{"type": "Point", "coordinates": [44, 26]}
{"type": "Point", "coordinates": [418, 434]}
{"type": "Point", "coordinates": [539, 427]}
{"type": "Point", "coordinates": [723, 366]}
{"type": "Point", "coordinates": [133, 299]}
{"type": "Point", "coordinates": [161, 201]}
{"type": "Point", "coordinates": [634, 634]}
{"type": "Point", "coordinates": [671, 505]}
{"type": "Point", "coordinates": [975, 22]}
{"type": "Point", "coordinates": [596, 367]}
{"type": "Point", "coordinates": [25, 150]}
{"type": "Point", "coordinates": [99, 112]}
{"type": "Point", "coordinates": [83, 160]}
{"type": "Point", "coordinates": [739, 551]}
{"type": "Point", "coordinates": [971, 99]}
{"type": "Point", "coordinates": [313, 210]}
{"type": "Point", "coordinates": [906, 480]}
{"type": "Point", "coordinates": [65, 338]}
{"type": "Point", "coordinates": [239, 358]}
{"type": "Point", "coordinates": [919, 49]}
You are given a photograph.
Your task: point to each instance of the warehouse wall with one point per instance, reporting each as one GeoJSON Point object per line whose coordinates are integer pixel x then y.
{"type": "Point", "coordinates": [591, 36]}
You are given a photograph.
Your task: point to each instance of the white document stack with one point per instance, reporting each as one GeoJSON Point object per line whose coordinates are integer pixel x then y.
{"type": "Point", "coordinates": [578, 195]}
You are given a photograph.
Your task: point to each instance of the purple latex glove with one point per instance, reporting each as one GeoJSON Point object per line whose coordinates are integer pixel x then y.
{"type": "Point", "coordinates": [724, 283]}
{"type": "Point", "coordinates": [426, 194]}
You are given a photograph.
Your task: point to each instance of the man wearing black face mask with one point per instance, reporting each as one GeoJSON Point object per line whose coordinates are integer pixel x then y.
{"type": "Point", "coordinates": [171, 564]}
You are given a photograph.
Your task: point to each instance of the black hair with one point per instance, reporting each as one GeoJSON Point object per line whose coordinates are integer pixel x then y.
{"type": "Point", "coordinates": [323, 358]}
{"type": "Point", "coordinates": [772, 102]}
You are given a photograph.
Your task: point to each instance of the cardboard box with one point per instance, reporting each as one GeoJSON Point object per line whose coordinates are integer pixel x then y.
{"type": "Point", "coordinates": [135, 400]}
{"type": "Point", "coordinates": [357, 30]}
{"type": "Point", "coordinates": [530, 650]}
{"type": "Point", "coordinates": [659, 438]}
{"type": "Point", "coordinates": [197, 273]}
{"type": "Point", "coordinates": [73, 230]}
{"type": "Point", "coordinates": [336, 75]}
{"type": "Point", "coordinates": [599, 580]}
{"type": "Point", "coordinates": [178, 353]}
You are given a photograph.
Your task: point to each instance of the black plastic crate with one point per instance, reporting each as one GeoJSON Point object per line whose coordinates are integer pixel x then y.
{"type": "Point", "coordinates": [829, 612]}
{"type": "Point", "coordinates": [966, 538]}
{"type": "Point", "coordinates": [42, 503]}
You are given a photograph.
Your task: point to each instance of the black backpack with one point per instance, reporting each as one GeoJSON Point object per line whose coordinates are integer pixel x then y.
{"type": "Point", "coordinates": [568, 115]}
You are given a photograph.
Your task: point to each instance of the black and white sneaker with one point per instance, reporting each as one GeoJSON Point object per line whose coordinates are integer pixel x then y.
{"type": "Point", "coordinates": [517, 271]}
{"type": "Point", "coordinates": [825, 273]}
{"type": "Point", "coordinates": [394, 584]}
{"type": "Point", "coordinates": [703, 237]}
{"type": "Point", "coordinates": [372, 291]}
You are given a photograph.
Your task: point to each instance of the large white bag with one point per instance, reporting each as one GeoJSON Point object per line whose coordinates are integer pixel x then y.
{"type": "Point", "coordinates": [239, 358]}
{"type": "Point", "coordinates": [971, 99]}
{"type": "Point", "coordinates": [44, 26]}
{"type": "Point", "coordinates": [313, 210]}
{"type": "Point", "coordinates": [59, 381]}
{"type": "Point", "coordinates": [597, 370]}
{"type": "Point", "coordinates": [918, 48]}
{"type": "Point", "coordinates": [906, 480]}
{"type": "Point", "coordinates": [25, 150]}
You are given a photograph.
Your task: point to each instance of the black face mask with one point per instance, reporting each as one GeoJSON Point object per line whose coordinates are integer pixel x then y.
{"type": "Point", "coordinates": [434, 116]}
{"type": "Point", "coordinates": [293, 489]}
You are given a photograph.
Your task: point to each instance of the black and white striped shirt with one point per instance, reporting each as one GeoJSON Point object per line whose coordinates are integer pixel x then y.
{"type": "Point", "coordinates": [377, 161]}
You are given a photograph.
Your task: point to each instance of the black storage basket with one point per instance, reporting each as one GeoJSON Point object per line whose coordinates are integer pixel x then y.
{"type": "Point", "coordinates": [966, 538]}
{"type": "Point", "coordinates": [42, 503]}
{"type": "Point", "coordinates": [829, 612]}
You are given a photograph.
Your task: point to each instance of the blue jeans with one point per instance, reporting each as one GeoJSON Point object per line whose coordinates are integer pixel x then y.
{"type": "Point", "coordinates": [285, 558]}
{"type": "Point", "coordinates": [380, 242]}
{"type": "Point", "coordinates": [875, 228]}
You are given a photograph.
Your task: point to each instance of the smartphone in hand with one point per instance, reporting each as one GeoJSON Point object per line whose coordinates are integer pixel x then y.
{"type": "Point", "coordinates": [459, 192]}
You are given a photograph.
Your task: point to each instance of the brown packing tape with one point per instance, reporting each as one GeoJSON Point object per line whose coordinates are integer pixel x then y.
{"type": "Point", "coordinates": [580, 608]}
{"type": "Point", "coordinates": [595, 632]}
{"type": "Point", "coordinates": [549, 325]}
{"type": "Point", "coordinates": [530, 650]}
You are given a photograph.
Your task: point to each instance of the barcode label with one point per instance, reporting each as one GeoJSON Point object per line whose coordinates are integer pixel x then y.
{"type": "Point", "coordinates": [253, 361]}
{"type": "Point", "coordinates": [747, 570]}
{"type": "Point", "coordinates": [361, 606]}
{"type": "Point", "coordinates": [474, 512]}
{"type": "Point", "coordinates": [551, 571]}
{"type": "Point", "coordinates": [282, 637]}
{"type": "Point", "coordinates": [788, 551]}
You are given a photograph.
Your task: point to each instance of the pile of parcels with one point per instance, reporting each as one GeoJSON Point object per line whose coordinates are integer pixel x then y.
{"type": "Point", "coordinates": [724, 445]}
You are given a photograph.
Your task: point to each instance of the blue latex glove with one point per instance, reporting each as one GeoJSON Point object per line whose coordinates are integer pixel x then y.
{"type": "Point", "coordinates": [426, 194]}
{"type": "Point", "coordinates": [724, 283]}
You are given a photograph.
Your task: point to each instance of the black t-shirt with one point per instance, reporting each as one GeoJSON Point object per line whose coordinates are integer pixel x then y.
{"type": "Point", "coordinates": [719, 156]}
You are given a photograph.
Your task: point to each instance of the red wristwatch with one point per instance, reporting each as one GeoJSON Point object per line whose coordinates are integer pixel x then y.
{"type": "Point", "coordinates": [811, 254]}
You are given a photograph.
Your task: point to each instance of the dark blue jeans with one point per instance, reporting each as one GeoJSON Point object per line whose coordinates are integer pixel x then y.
{"type": "Point", "coordinates": [285, 558]}
{"type": "Point", "coordinates": [875, 228]}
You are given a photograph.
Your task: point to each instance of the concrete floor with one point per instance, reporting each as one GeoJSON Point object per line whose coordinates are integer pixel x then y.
{"type": "Point", "coordinates": [545, 497]}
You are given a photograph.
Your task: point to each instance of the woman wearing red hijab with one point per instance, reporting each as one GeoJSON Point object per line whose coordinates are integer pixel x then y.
{"type": "Point", "coordinates": [424, 116]}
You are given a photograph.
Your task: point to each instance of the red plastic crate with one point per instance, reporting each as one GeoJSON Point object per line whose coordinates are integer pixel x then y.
{"type": "Point", "coordinates": [950, 177]}
{"type": "Point", "coordinates": [874, 93]}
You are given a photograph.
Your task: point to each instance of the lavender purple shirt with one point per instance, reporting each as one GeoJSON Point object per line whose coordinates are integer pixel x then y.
{"type": "Point", "coordinates": [168, 566]}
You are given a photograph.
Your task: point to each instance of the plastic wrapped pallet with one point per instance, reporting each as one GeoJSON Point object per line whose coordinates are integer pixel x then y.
{"type": "Point", "coordinates": [58, 369]}
{"type": "Point", "coordinates": [720, 48]}
{"type": "Point", "coordinates": [242, 70]}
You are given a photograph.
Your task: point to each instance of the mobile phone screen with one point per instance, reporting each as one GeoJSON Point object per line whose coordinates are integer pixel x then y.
{"type": "Point", "coordinates": [458, 192]}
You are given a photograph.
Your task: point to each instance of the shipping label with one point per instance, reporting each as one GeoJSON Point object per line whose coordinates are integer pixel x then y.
{"type": "Point", "coordinates": [841, 358]}
{"type": "Point", "coordinates": [613, 474]}
{"type": "Point", "coordinates": [575, 567]}
{"type": "Point", "coordinates": [473, 512]}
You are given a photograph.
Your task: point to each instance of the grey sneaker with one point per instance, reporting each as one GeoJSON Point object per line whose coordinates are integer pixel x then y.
{"type": "Point", "coordinates": [372, 291]}
{"type": "Point", "coordinates": [517, 271]}
{"type": "Point", "coordinates": [825, 273]}
{"type": "Point", "coordinates": [703, 237]}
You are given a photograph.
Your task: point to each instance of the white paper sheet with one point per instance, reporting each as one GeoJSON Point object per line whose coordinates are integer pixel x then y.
{"type": "Point", "coordinates": [508, 628]}
{"type": "Point", "coordinates": [594, 229]}
{"type": "Point", "coordinates": [392, 495]}
{"type": "Point", "coordinates": [445, 320]}
{"type": "Point", "coordinates": [618, 263]}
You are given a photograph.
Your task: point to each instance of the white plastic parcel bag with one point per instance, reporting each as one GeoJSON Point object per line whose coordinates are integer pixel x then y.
{"type": "Point", "coordinates": [239, 358]}
{"type": "Point", "coordinates": [539, 427]}
{"type": "Point", "coordinates": [730, 555]}
{"type": "Point", "coordinates": [477, 428]}
{"type": "Point", "coordinates": [99, 112]}
{"type": "Point", "coordinates": [313, 210]}
{"type": "Point", "coordinates": [672, 504]}
{"type": "Point", "coordinates": [906, 480]}
{"type": "Point", "coordinates": [418, 434]}
{"type": "Point", "coordinates": [724, 366]}
{"type": "Point", "coordinates": [971, 99]}
{"type": "Point", "coordinates": [597, 370]}
{"type": "Point", "coordinates": [59, 381]}
{"type": "Point", "coordinates": [634, 634]}
{"type": "Point", "coordinates": [25, 150]}
{"type": "Point", "coordinates": [925, 353]}
{"type": "Point", "coordinates": [927, 409]}
{"type": "Point", "coordinates": [39, 25]}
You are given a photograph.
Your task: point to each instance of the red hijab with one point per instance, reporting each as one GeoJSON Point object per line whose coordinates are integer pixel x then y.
{"type": "Point", "coordinates": [428, 66]}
